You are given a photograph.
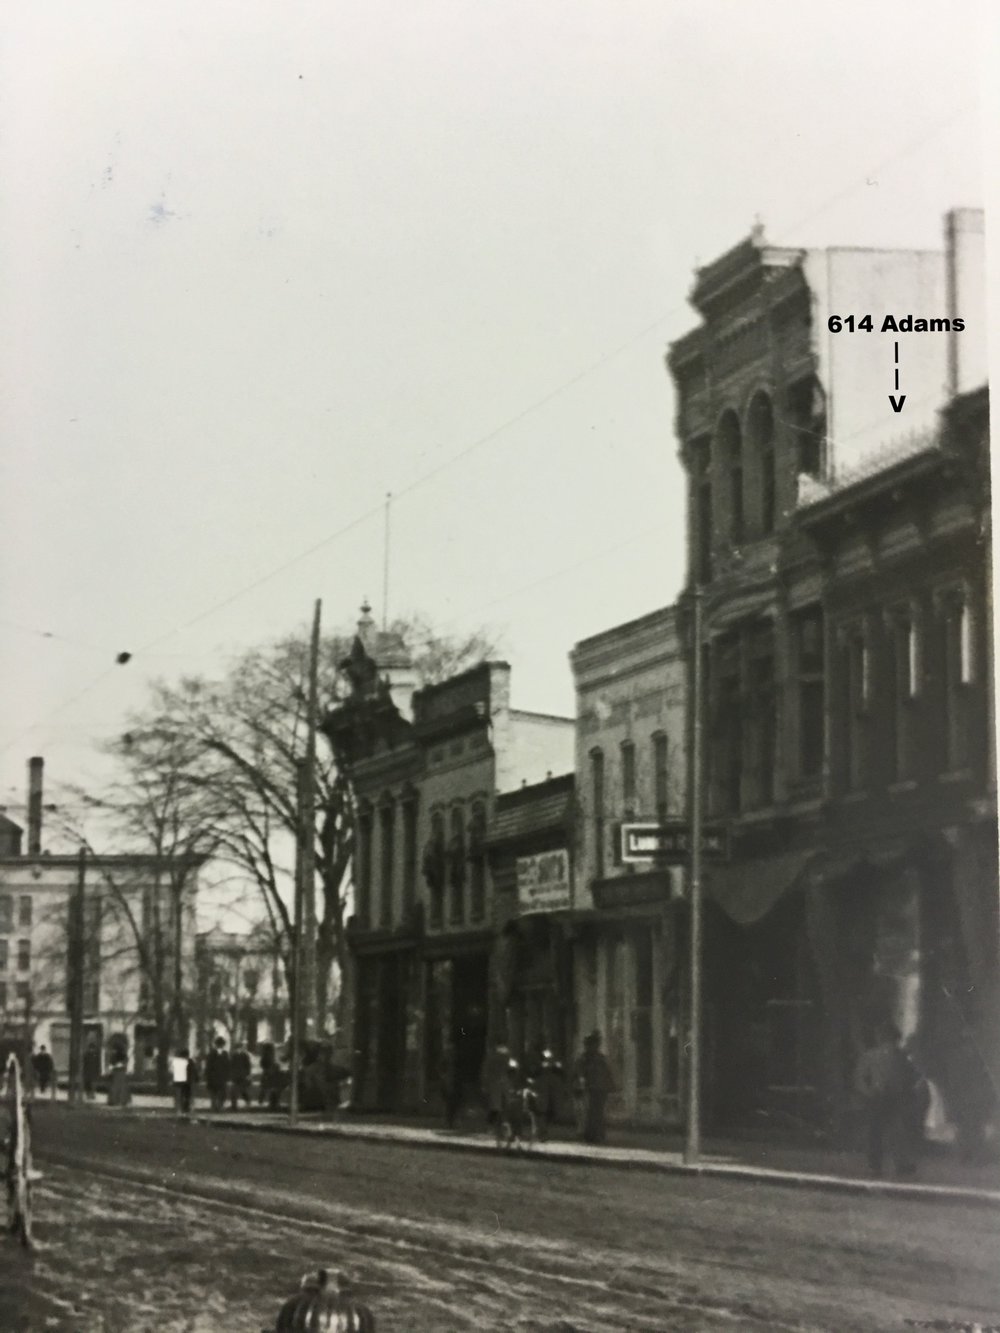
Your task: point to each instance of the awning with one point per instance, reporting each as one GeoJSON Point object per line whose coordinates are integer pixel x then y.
{"type": "Point", "coordinates": [747, 890]}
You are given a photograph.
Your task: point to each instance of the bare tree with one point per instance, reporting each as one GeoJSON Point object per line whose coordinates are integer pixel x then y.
{"type": "Point", "coordinates": [243, 738]}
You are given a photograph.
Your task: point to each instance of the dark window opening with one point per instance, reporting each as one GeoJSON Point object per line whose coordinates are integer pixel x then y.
{"type": "Point", "coordinates": [660, 776]}
{"type": "Point", "coordinates": [811, 692]}
{"type": "Point", "coordinates": [761, 441]}
{"type": "Point", "coordinates": [597, 796]}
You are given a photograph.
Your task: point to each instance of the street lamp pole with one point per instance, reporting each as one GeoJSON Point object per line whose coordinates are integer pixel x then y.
{"type": "Point", "coordinates": [692, 1146]}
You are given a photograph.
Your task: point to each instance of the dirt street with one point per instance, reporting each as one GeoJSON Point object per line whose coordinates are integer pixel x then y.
{"type": "Point", "coordinates": [442, 1241]}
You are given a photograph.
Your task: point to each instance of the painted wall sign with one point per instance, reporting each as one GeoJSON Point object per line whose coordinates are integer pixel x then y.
{"type": "Point", "coordinates": [543, 883]}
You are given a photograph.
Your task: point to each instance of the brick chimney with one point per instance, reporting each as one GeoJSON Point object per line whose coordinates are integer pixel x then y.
{"type": "Point", "coordinates": [35, 767]}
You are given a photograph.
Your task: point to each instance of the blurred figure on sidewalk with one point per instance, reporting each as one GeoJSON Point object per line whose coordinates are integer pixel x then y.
{"type": "Point", "coordinates": [182, 1075]}
{"type": "Point", "coordinates": [217, 1074]}
{"type": "Point", "coordinates": [593, 1083]}
{"type": "Point", "coordinates": [240, 1070]}
{"type": "Point", "coordinates": [42, 1067]}
{"type": "Point", "coordinates": [91, 1070]}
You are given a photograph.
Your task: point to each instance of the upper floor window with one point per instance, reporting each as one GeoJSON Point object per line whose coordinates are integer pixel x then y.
{"type": "Point", "coordinates": [761, 713]}
{"type": "Point", "coordinates": [661, 791]}
{"type": "Point", "coordinates": [730, 454]}
{"type": "Point", "coordinates": [597, 800]}
{"type": "Point", "coordinates": [760, 439]}
{"type": "Point", "coordinates": [902, 669]}
{"type": "Point", "coordinates": [628, 778]}
{"type": "Point", "coordinates": [4, 955]}
{"type": "Point", "coordinates": [477, 862]}
{"type": "Point", "coordinates": [24, 910]}
{"type": "Point", "coordinates": [956, 615]}
{"type": "Point", "coordinates": [857, 680]}
{"type": "Point", "coordinates": [728, 726]}
{"type": "Point", "coordinates": [6, 912]}
{"type": "Point", "coordinates": [24, 955]}
{"type": "Point", "coordinates": [701, 494]}
{"type": "Point", "coordinates": [810, 690]}
{"type": "Point", "coordinates": [409, 851]}
{"type": "Point", "coordinates": [387, 815]}
{"type": "Point", "coordinates": [435, 868]}
{"type": "Point", "coordinates": [364, 867]}
{"type": "Point", "coordinates": [456, 865]}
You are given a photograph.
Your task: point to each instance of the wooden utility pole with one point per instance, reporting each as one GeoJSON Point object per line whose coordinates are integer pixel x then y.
{"type": "Point", "coordinates": [296, 993]}
{"type": "Point", "coordinates": [77, 962]}
{"type": "Point", "coordinates": [307, 827]}
{"type": "Point", "coordinates": [692, 1146]}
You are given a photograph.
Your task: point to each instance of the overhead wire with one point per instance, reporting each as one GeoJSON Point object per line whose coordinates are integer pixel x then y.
{"type": "Point", "coordinates": [377, 509]}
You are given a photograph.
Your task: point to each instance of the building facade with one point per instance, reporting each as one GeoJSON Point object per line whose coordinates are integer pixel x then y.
{"type": "Point", "coordinates": [129, 900]}
{"type": "Point", "coordinates": [629, 946]}
{"type": "Point", "coordinates": [426, 769]}
{"type": "Point", "coordinates": [842, 564]}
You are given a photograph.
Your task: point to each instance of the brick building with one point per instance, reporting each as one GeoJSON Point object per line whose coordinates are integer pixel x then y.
{"type": "Point", "coordinates": [842, 555]}
{"type": "Point", "coordinates": [628, 933]}
{"type": "Point", "coordinates": [427, 768]}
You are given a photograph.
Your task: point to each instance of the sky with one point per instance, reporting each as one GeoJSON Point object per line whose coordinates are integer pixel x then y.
{"type": "Point", "coordinates": [262, 264]}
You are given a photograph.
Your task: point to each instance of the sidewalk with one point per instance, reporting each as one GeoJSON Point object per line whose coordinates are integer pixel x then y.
{"type": "Point", "coordinates": [942, 1178]}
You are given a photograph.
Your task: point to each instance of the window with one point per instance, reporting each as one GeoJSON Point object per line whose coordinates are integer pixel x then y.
{"type": "Point", "coordinates": [6, 912]}
{"type": "Point", "coordinates": [597, 797]}
{"type": "Point", "coordinates": [363, 906]}
{"type": "Point", "coordinates": [23, 992]}
{"type": "Point", "coordinates": [809, 650]}
{"type": "Point", "coordinates": [760, 431]}
{"type": "Point", "coordinates": [958, 675]}
{"type": "Point", "coordinates": [388, 820]}
{"type": "Point", "coordinates": [857, 675]}
{"type": "Point", "coordinates": [435, 868]}
{"type": "Point", "coordinates": [808, 414]}
{"type": "Point", "coordinates": [762, 717]}
{"type": "Point", "coordinates": [24, 955]}
{"type": "Point", "coordinates": [661, 791]}
{"type": "Point", "coordinates": [704, 537]}
{"type": "Point", "coordinates": [3, 996]}
{"type": "Point", "coordinates": [731, 453]}
{"type": "Point", "coordinates": [4, 956]}
{"type": "Point", "coordinates": [727, 728]}
{"type": "Point", "coordinates": [409, 852]}
{"type": "Point", "coordinates": [24, 910]}
{"type": "Point", "coordinates": [457, 865]}
{"type": "Point", "coordinates": [477, 863]}
{"type": "Point", "coordinates": [628, 778]}
{"type": "Point", "coordinates": [902, 679]}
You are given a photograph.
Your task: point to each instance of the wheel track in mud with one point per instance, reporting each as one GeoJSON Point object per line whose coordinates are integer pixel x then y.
{"type": "Point", "coordinates": [442, 1260]}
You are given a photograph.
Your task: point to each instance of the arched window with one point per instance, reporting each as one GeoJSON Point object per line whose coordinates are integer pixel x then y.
{"type": "Point", "coordinates": [477, 862]}
{"type": "Point", "coordinates": [730, 454]}
{"type": "Point", "coordinates": [456, 865]}
{"type": "Point", "coordinates": [760, 438]}
{"type": "Point", "coordinates": [435, 868]}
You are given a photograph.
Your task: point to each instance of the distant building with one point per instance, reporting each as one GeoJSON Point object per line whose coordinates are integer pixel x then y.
{"type": "Point", "coordinates": [629, 942]}
{"type": "Point", "coordinates": [240, 992]}
{"type": "Point", "coordinates": [842, 553]}
{"type": "Point", "coordinates": [37, 889]}
{"type": "Point", "coordinates": [426, 768]}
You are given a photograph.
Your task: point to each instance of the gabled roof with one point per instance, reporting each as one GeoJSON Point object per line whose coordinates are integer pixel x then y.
{"type": "Point", "coordinates": [543, 807]}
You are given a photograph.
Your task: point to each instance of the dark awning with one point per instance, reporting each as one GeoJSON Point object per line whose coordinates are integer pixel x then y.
{"type": "Point", "coordinates": [747, 890]}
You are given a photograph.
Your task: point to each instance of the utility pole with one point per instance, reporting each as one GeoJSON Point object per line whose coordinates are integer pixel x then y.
{"type": "Point", "coordinates": [307, 827]}
{"type": "Point", "coordinates": [77, 962]}
{"type": "Point", "coordinates": [692, 1146]}
{"type": "Point", "coordinates": [297, 952]}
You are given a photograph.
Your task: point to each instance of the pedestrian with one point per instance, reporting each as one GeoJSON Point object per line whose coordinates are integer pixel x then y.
{"type": "Point", "coordinates": [42, 1067]}
{"type": "Point", "coordinates": [217, 1065]}
{"type": "Point", "coordinates": [914, 1094]}
{"type": "Point", "coordinates": [119, 1093]}
{"type": "Point", "coordinates": [267, 1066]}
{"type": "Point", "coordinates": [495, 1083]}
{"type": "Point", "coordinates": [240, 1070]}
{"type": "Point", "coordinates": [91, 1070]}
{"type": "Point", "coordinates": [594, 1083]}
{"type": "Point", "coordinates": [183, 1074]}
{"type": "Point", "coordinates": [451, 1086]}
{"type": "Point", "coordinates": [888, 1084]}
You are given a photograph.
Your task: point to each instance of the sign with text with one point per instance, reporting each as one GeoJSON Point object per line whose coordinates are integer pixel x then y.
{"type": "Point", "coordinates": [543, 882]}
{"type": "Point", "coordinates": [670, 843]}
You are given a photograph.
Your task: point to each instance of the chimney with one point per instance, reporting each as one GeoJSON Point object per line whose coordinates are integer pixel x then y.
{"type": "Point", "coordinates": [35, 767]}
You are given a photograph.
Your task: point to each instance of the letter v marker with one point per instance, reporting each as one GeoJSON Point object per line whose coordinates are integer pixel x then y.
{"type": "Point", "coordinates": [896, 407]}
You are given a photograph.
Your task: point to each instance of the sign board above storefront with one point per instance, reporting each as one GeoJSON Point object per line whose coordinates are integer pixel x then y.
{"type": "Point", "coordinates": [543, 883]}
{"type": "Point", "coordinates": [669, 843]}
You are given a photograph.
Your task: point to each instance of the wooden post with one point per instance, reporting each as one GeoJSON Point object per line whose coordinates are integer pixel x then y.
{"type": "Point", "coordinates": [692, 1147]}
{"type": "Point", "coordinates": [77, 962]}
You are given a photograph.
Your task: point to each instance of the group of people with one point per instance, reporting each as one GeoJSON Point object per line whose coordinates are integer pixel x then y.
{"type": "Point", "coordinates": [43, 1071]}
{"type": "Point", "coordinates": [227, 1074]}
{"type": "Point", "coordinates": [538, 1089]}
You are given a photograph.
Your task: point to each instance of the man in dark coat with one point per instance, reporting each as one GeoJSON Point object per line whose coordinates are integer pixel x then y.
{"type": "Point", "coordinates": [594, 1082]}
{"type": "Point", "coordinates": [217, 1074]}
{"type": "Point", "coordinates": [91, 1069]}
{"type": "Point", "coordinates": [42, 1066]}
{"type": "Point", "coordinates": [239, 1073]}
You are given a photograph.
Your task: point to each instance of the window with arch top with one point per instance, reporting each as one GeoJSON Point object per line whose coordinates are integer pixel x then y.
{"type": "Point", "coordinates": [760, 440]}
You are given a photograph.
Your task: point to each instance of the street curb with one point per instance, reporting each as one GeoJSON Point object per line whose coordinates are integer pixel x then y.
{"type": "Point", "coordinates": [916, 1192]}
